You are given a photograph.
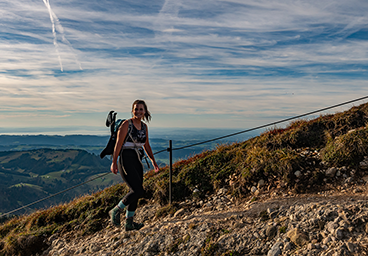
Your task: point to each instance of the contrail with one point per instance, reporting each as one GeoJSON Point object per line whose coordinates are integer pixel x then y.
{"type": "Point", "coordinates": [61, 30]}
{"type": "Point", "coordinates": [55, 20]}
{"type": "Point", "coordinates": [47, 3]}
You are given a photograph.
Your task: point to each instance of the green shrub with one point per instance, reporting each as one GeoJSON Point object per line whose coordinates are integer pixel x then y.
{"type": "Point", "coordinates": [348, 149]}
{"type": "Point", "coordinates": [283, 229]}
{"type": "Point", "coordinates": [262, 163]}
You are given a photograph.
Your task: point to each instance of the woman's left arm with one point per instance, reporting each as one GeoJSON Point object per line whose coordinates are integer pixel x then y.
{"type": "Point", "coordinates": [148, 149]}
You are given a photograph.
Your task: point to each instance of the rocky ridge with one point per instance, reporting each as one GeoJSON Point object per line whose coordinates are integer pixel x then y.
{"type": "Point", "coordinates": [272, 221]}
{"type": "Point", "coordinates": [327, 224]}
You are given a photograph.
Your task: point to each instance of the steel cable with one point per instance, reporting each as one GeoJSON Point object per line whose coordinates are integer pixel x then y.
{"type": "Point", "coordinates": [196, 144]}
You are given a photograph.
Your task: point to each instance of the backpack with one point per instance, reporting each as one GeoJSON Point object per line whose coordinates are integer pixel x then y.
{"type": "Point", "coordinates": [114, 127]}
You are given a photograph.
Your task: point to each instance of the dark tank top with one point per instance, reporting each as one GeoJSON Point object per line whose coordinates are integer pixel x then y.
{"type": "Point", "coordinates": [139, 136]}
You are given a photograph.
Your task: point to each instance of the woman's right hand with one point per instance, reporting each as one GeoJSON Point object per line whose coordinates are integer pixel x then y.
{"type": "Point", "coordinates": [114, 168]}
{"type": "Point", "coordinates": [157, 169]}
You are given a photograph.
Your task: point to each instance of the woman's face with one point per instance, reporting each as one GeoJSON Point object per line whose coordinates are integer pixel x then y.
{"type": "Point", "coordinates": [138, 111]}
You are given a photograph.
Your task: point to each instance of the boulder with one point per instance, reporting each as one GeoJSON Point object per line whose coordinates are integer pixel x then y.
{"type": "Point", "coordinates": [298, 237]}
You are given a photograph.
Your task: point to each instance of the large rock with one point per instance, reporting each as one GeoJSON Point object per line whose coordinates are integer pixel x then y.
{"type": "Point", "coordinates": [261, 183]}
{"type": "Point", "coordinates": [339, 233]}
{"type": "Point", "coordinates": [271, 232]}
{"type": "Point", "coordinates": [331, 227]}
{"type": "Point", "coordinates": [275, 249]}
{"type": "Point", "coordinates": [330, 172]}
{"type": "Point", "coordinates": [298, 237]}
{"type": "Point", "coordinates": [364, 164]}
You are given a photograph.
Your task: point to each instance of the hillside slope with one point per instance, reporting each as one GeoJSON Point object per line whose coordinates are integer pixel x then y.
{"type": "Point", "coordinates": [313, 161]}
{"type": "Point", "coordinates": [329, 223]}
{"type": "Point", "coordinates": [26, 176]}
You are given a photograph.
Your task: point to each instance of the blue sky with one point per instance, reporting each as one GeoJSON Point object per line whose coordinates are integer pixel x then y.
{"type": "Point", "coordinates": [222, 64]}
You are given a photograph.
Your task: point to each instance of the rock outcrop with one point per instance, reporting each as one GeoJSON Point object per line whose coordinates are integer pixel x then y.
{"type": "Point", "coordinates": [331, 223]}
{"type": "Point", "coordinates": [276, 221]}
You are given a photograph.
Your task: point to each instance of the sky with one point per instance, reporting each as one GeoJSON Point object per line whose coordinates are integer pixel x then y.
{"type": "Point", "coordinates": [64, 64]}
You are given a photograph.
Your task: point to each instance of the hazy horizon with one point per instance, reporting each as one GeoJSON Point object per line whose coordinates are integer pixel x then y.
{"type": "Point", "coordinates": [158, 133]}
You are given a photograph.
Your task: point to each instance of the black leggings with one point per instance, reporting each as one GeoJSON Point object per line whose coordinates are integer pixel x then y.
{"type": "Point", "coordinates": [132, 174]}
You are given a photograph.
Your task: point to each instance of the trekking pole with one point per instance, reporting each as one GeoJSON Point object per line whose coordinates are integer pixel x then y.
{"type": "Point", "coordinates": [170, 169]}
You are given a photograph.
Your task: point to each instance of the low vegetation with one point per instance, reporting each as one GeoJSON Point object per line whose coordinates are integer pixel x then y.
{"type": "Point", "coordinates": [33, 174]}
{"type": "Point", "coordinates": [274, 157]}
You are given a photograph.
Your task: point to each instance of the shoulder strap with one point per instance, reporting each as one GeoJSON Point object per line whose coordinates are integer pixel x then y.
{"type": "Point", "coordinates": [129, 132]}
{"type": "Point", "coordinates": [130, 128]}
{"type": "Point", "coordinates": [135, 144]}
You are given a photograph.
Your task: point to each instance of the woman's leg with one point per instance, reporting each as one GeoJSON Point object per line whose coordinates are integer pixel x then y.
{"type": "Point", "coordinates": [133, 177]}
{"type": "Point", "coordinates": [132, 174]}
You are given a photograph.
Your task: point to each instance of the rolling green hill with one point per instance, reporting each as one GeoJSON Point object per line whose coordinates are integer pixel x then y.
{"type": "Point", "coordinates": [26, 176]}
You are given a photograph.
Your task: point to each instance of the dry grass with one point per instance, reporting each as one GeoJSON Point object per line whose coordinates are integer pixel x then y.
{"type": "Point", "coordinates": [272, 156]}
{"type": "Point", "coordinates": [348, 149]}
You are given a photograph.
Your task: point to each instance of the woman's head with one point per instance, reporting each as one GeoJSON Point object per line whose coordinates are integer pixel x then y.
{"type": "Point", "coordinates": [139, 104]}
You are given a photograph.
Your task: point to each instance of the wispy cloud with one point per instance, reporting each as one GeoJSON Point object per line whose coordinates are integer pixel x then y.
{"type": "Point", "coordinates": [249, 61]}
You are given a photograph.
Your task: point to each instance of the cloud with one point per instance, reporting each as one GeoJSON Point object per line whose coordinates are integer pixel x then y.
{"type": "Point", "coordinates": [245, 60]}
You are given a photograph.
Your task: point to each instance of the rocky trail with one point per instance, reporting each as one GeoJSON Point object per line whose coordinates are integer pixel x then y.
{"type": "Point", "coordinates": [272, 220]}
{"type": "Point", "coordinates": [332, 222]}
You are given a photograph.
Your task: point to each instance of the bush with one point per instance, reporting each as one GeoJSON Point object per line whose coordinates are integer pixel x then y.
{"type": "Point", "coordinates": [262, 163]}
{"type": "Point", "coordinates": [348, 149]}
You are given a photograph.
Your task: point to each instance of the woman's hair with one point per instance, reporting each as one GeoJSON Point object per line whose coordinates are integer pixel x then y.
{"type": "Point", "coordinates": [147, 115]}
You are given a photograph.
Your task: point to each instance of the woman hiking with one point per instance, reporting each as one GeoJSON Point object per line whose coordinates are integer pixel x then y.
{"type": "Point", "coordinates": [128, 149]}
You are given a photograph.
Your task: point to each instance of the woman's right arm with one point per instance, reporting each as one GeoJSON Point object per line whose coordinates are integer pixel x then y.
{"type": "Point", "coordinates": [122, 133]}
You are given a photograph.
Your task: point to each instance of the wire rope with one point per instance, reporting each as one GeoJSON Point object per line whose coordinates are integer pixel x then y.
{"type": "Point", "coordinates": [196, 144]}
{"type": "Point", "coordinates": [270, 124]}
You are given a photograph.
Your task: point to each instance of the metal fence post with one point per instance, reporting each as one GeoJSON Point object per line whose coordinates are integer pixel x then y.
{"type": "Point", "coordinates": [170, 170]}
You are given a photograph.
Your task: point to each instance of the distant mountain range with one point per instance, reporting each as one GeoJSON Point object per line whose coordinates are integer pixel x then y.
{"type": "Point", "coordinates": [159, 140]}
{"type": "Point", "coordinates": [91, 143]}
{"type": "Point", "coordinates": [52, 140]}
